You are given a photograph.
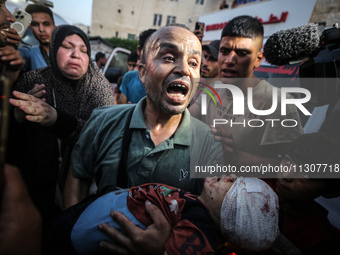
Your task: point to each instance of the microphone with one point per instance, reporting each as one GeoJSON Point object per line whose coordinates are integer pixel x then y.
{"type": "Point", "coordinates": [292, 45]}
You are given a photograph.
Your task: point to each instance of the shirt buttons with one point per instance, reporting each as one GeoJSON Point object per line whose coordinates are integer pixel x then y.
{"type": "Point", "coordinates": [147, 136]}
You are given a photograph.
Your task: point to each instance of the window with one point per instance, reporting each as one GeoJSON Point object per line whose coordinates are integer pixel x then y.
{"type": "Point", "coordinates": [170, 20]}
{"type": "Point", "coordinates": [119, 61]}
{"type": "Point", "coordinates": [157, 20]}
{"type": "Point", "coordinates": [131, 36]}
{"type": "Point", "coordinates": [201, 2]}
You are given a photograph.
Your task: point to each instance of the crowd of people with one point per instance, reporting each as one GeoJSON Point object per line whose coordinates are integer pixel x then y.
{"type": "Point", "coordinates": [67, 131]}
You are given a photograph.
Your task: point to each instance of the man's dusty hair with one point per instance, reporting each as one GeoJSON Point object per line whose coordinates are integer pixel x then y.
{"type": "Point", "coordinates": [178, 25]}
{"type": "Point", "coordinates": [35, 8]}
{"type": "Point", "coordinates": [243, 26]}
{"type": "Point", "coordinates": [146, 45]}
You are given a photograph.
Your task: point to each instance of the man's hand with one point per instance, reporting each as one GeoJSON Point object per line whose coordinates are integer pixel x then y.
{"type": "Point", "coordinates": [38, 91]}
{"type": "Point", "coordinates": [20, 221]}
{"type": "Point", "coordinates": [11, 62]}
{"type": "Point", "coordinates": [226, 138]}
{"type": "Point", "coordinates": [138, 241]}
{"type": "Point", "coordinates": [11, 57]}
{"type": "Point", "coordinates": [230, 150]}
{"type": "Point", "coordinates": [12, 36]}
{"type": "Point", "coordinates": [199, 34]}
{"type": "Point", "coordinates": [34, 109]}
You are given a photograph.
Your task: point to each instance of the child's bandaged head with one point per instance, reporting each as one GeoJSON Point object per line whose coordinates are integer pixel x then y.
{"type": "Point", "coordinates": [249, 214]}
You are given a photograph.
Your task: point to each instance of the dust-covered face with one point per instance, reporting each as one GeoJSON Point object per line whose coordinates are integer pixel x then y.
{"type": "Point", "coordinates": [171, 69]}
{"type": "Point", "coordinates": [72, 57]}
{"type": "Point", "coordinates": [214, 191]}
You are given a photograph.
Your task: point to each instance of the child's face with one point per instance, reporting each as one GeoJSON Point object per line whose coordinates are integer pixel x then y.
{"type": "Point", "coordinates": [215, 190]}
{"type": "Point", "coordinates": [295, 186]}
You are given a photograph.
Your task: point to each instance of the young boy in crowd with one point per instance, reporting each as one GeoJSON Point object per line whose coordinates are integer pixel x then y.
{"type": "Point", "coordinates": [303, 222]}
{"type": "Point", "coordinates": [243, 211]}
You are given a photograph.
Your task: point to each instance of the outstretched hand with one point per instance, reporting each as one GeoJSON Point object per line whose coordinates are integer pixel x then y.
{"type": "Point", "coordinates": [33, 108]}
{"type": "Point", "coordinates": [138, 241]}
{"type": "Point", "coordinates": [38, 91]}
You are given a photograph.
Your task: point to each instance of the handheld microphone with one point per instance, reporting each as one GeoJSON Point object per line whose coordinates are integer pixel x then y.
{"type": "Point", "coordinates": [292, 45]}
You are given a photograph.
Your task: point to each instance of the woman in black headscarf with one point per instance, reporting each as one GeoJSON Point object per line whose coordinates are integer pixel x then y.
{"type": "Point", "coordinates": [52, 105]}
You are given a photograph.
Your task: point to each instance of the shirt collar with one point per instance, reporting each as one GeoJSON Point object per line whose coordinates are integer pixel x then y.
{"type": "Point", "coordinates": [183, 134]}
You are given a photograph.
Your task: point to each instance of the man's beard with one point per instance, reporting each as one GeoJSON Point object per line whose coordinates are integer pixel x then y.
{"type": "Point", "coordinates": [159, 104]}
{"type": "Point", "coordinates": [45, 43]}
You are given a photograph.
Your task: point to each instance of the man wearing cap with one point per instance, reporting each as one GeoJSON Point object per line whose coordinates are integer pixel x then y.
{"type": "Point", "coordinates": [42, 25]}
{"type": "Point", "coordinates": [209, 67]}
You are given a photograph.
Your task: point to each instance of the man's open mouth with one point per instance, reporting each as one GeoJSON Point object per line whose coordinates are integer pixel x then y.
{"type": "Point", "coordinates": [228, 72]}
{"type": "Point", "coordinates": [179, 90]}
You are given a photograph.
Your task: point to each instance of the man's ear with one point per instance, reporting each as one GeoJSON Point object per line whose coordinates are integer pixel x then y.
{"type": "Point", "coordinates": [139, 50]}
{"type": "Point", "coordinates": [141, 72]}
{"type": "Point", "coordinates": [259, 59]}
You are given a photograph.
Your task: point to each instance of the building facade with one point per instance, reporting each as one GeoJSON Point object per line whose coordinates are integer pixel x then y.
{"type": "Point", "coordinates": [126, 19]}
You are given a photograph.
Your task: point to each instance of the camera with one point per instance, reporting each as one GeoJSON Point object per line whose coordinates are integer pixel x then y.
{"type": "Point", "coordinates": [325, 87]}
{"type": "Point", "coordinates": [325, 65]}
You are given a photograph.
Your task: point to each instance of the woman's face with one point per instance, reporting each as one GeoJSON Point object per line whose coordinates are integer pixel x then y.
{"type": "Point", "coordinates": [72, 58]}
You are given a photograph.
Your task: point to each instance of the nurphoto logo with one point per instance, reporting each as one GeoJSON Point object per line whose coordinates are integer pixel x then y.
{"type": "Point", "coordinates": [238, 101]}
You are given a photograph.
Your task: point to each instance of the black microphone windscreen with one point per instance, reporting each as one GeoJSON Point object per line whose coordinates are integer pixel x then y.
{"type": "Point", "coordinates": [286, 46]}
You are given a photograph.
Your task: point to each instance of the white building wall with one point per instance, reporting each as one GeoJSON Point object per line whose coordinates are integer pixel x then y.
{"type": "Point", "coordinates": [136, 16]}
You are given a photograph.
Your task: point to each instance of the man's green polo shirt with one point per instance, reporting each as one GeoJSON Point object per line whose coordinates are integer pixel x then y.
{"type": "Point", "coordinates": [99, 149]}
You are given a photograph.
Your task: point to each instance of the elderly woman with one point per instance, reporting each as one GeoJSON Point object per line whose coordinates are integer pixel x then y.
{"type": "Point", "coordinates": [51, 106]}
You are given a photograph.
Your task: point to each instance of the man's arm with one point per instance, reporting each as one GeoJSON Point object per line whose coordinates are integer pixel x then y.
{"type": "Point", "coordinates": [20, 221]}
{"type": "Point", "coordinates": [75, 190]}
{"type": "Point", "coordinates": [124, 89]}
{"type": "Point", "coordinates": [138, 241]}
{"type": "Point", "coordinates": [122, 99]}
